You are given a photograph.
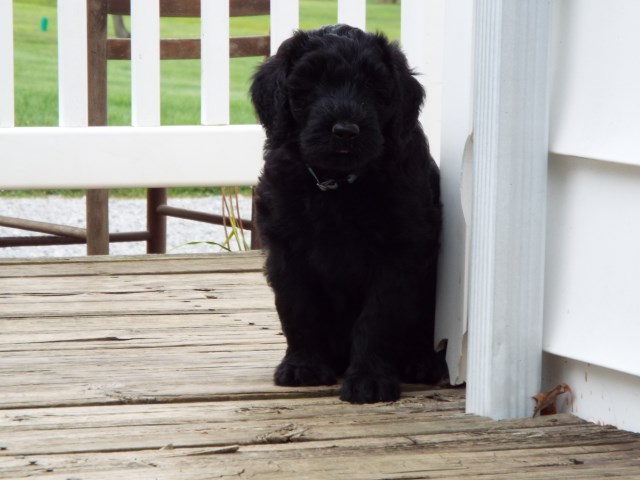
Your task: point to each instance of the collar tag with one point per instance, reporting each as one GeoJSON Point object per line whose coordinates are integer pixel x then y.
{"type": "Point", "coordinates": [332, 184]}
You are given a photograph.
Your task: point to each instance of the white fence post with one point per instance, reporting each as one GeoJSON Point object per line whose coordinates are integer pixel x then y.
{"type": "Point", "coordinates": [353, 12]}
{"type": "Point", "coordinates": [509, 203]}
{"type": "Point", "coordinates": [72, 64]}
{"type": "Point", "coordinates": [214, 41]}
{"type": "Point", "coordinates": [422, 39]}
{"type": "Point", "coordinates": [145, 63]}
{"type": "Point", "coordinates": [457, 125]}
{"type": "Point", "coordinates": [7, 116]}
{"type": "Point", "coordinates": [284, 18]}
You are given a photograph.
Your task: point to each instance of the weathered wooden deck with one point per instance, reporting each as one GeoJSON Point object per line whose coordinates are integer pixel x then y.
{"type": "Point", "coordinates": [160, 367]}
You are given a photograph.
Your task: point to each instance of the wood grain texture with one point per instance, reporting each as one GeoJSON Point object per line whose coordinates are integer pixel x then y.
{"type": "Point", "coordinates": [131, 265]}
{"type": "Point", "coordinates": [97, 212]}
{"type": "Point", "coordinates": [161, 366]}
{"type": "Point", "coordinates": [43, 227]}
{"type": "Point", "coordinates": [189, 48]}
{"type": "Point", "coordinates": [97, 61]}
{"type": "Point", "coordinates": [156, 223]}
{"type": "Point", "coordinates": [191, 8]}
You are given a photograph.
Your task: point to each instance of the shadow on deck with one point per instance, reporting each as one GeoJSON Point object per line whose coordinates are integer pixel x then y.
{"type": "Point", "coordinates": [160, 367]}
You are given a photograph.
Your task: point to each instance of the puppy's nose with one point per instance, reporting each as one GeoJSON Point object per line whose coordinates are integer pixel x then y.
{"type": "Point", "coordinates": [345, 130]}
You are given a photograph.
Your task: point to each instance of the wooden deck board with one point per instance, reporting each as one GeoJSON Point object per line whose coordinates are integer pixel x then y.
{"type": "Point", "coordinates": [160, 368]}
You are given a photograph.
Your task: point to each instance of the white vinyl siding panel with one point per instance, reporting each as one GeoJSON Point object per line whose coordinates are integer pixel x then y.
{"type": "Point", "coordinates": [595, 78]}
{"type": "Point", "coordinates": [592, 298]}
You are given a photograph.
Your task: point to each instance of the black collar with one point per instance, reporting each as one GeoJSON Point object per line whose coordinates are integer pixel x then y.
{"type": "Point", "coordinates": [332, 183]}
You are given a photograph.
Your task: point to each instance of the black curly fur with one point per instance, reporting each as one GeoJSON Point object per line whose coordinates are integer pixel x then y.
{"type": "Point", "coordinates": [354, 268]}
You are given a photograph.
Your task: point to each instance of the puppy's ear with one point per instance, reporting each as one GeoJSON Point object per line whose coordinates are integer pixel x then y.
{"type": "Point", "coordinates": [411, 92]}
{"type": "Point", "coordinates": [269, 90]}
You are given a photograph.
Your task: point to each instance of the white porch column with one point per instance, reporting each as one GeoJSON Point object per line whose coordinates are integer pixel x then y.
{"type": "Point", "coordinates": [510, 177]}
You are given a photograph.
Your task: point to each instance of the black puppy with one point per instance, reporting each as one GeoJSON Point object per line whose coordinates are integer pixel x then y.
{"type": "Point", "coordinates": [348, 209]}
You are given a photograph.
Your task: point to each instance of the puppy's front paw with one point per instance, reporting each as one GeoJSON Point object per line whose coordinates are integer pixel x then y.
{"type": "Point", "coordinates": [297, 371]}
{"type": "Point", "coordinates": [369, 387]}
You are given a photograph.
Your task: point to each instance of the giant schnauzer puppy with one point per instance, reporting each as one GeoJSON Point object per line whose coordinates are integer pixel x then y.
{"type": "Point", "coordinates": [349, 212]}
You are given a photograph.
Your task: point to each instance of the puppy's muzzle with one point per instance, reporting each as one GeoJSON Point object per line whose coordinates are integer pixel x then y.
{"type": "Point", "coordinates": [345, 130]}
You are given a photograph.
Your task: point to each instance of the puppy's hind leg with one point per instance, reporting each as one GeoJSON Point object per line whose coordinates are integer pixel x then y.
{"type": "Point", "coordinates": [423, 364]}
{"type": "Point", "coordinates": [429, 368]}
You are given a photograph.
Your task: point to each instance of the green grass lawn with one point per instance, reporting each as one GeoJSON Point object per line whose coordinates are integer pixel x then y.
{"type": "Point", "coordinates": [36, 76]}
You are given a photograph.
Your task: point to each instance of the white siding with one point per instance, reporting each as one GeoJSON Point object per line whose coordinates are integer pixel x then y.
{"type": "Point", "coordinates": [593, 263]}
{"type": "Point", "coordinates": [595, 100]}
{"type": "Point", "coordinates": [600, 395]}
{"type": "Point", "coordinates": [592, 281]}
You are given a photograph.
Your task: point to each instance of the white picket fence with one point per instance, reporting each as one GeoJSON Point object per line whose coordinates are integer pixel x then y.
{"type": "Point", "coordinates": [146, 154]}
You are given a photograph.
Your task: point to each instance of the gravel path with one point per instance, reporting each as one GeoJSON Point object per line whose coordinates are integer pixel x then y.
{"type": "Point", "coordinates": [124, 215]}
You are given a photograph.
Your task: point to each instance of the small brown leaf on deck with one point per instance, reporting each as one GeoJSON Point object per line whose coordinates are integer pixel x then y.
{"type": "Point", "coordinates": [546, 401]}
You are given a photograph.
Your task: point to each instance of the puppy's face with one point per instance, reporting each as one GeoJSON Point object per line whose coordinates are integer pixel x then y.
{"type": "Point", "coordinates": [339, 94]}
{"type": "Point", "coordinates": [340, 99]}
